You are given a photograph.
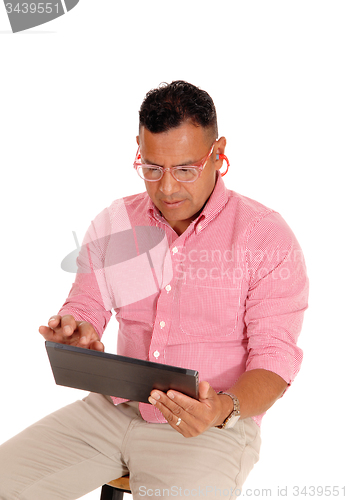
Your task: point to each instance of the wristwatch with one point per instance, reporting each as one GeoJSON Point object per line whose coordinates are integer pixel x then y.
{"type": "Point", "coordinates": [234, 416]}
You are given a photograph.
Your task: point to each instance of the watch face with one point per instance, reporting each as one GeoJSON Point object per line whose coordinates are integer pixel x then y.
{"type": "Point", "coordinates": [231, 422]}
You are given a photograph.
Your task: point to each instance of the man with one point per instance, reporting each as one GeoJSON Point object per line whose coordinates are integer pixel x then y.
{"type": "Point", "coordinates": [220, 288]}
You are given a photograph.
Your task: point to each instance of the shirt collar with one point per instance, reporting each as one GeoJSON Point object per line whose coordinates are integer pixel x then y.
{"type": "Point", "coordinates": [214, 204]}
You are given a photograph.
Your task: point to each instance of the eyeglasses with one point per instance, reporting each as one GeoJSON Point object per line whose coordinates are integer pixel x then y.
{"type": "Point", "coordinates": [181, 173]}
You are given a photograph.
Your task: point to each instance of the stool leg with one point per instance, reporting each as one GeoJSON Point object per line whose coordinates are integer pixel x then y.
{"type": "Point", "coordinates": [110, 493]}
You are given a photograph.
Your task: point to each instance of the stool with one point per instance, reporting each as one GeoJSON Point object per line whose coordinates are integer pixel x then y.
{"type": "Point", "coordinates": [115, 489]}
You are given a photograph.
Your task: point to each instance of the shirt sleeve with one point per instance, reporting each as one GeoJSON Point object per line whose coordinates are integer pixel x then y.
{"type": "Point", "coordinates": [89, 299]}
{"type": "Point", "coordinates": [277, 297]}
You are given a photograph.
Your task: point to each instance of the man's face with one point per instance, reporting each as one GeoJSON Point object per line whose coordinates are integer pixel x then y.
{"type": "Point", "coordinates": [180, 202]}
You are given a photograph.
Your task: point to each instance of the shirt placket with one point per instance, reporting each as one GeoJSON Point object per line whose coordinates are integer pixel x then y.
{"type": "Point", "coordinates": [162, 323]}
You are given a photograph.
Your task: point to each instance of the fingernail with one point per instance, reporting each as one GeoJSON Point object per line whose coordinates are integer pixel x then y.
{"type": "Point", "coordinates": [83, 339]}
{"type": "Point", "coordinates": [51, 319]}
{"type": "Point", "coordinates": [156, 395]}
{"type": "Point", "coordinates": [151, 400]}
{"type": "Point", "coordinates": [67, 330]}
{"type": "Point", "coordinates": [170, 395]}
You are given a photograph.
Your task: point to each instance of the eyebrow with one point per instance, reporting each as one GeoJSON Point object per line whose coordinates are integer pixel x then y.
{"type": "Point", "coordinates": [186, 164]}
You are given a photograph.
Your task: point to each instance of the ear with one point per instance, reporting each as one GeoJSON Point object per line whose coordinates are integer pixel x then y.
{"type": "Point", "coordinates": [137, 139]}
{"type": "Point", "coordinates": [220, 148]}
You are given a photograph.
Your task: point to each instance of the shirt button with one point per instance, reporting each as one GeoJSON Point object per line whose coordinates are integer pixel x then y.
{"type": "Point", "coordinates": [199, 227]}
{"type": "Point", "coordinates": [162, 324]}
{"type": "Point", "coordinates": [168, 288]}
{"type": "Point", "coordinates": [174, 250]}
{"type": "Point", "coordinates": [156, 354]}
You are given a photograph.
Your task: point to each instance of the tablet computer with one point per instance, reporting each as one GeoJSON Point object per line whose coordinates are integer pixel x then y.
{"type": "Point", "coordinates": [114, 375]}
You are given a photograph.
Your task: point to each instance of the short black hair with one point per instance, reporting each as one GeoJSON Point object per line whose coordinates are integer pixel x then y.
{"type": "Point", "coordinates": [171, 104]}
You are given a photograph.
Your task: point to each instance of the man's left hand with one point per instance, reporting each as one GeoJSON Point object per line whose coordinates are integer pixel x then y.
{"type": "Point", "coordinates": [195, 416]}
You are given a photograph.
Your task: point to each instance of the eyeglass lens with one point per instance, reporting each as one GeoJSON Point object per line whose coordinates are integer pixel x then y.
{"type": "Point", "coordinates": [180, 174]}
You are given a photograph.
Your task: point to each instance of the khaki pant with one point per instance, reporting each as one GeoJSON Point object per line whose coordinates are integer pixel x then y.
{"type": "Point", "coordinates": [88, 443]}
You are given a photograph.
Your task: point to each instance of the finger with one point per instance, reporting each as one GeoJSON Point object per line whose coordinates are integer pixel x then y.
{"type": "Point", "coordinates": [56, 335]}
{"type": "Point", "coordinates": [171, 400]}
{"type": "Point", "coordinates": [188, 404]}
{"type": "Point", "coordinates": [162, 405]}
{"type": "Point", "coordinates": [171, 410]}
{"type": "Point", "coordinates": [87, 334]}
{"type": "Point", "coordinates": [54, 321]}
{"type": "Point", "coordinates": [190, 418]}
{"type": "Point", "coordinates": [68, 325]}
{"type": "Point", "coordinates": [207, 395]}
{"type": "Point", "coordinates": [46, 332]}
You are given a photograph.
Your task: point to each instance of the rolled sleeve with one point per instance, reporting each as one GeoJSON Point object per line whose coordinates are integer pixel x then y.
{"type": "Point", "coordinates": [89, 299]}
{"type": "Point", "coordinates": [84, 303]}
{"type": "Point", "coordinates": [277, 298]}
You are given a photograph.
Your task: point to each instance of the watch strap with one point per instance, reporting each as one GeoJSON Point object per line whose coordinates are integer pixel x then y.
{"type": "Point", "coordinates": [234, 416]}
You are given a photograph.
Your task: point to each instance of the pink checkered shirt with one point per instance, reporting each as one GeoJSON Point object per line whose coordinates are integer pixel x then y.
{"type": "Point", "coordinates": [226, 296]}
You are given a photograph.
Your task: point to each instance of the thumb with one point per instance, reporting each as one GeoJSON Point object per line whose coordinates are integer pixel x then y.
{"type": "Point", "coordinates": [206, 391]}
{"type": "Point", "coordinates": [96, 345]}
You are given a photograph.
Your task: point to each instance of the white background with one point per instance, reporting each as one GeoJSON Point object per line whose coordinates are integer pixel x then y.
{"type": "Point", "coordinates": [70, 92]}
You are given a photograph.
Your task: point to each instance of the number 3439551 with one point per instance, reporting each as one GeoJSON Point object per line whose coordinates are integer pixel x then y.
{"type": "Point", "coordinates": [318, 491]}
{"type": "Point", "coordinates": [32, 8]}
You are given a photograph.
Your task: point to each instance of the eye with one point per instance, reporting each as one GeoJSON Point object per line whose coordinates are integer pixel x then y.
{"type": "Point", "coordinates": [150, 173]}
{"type": "Point", "coordinates": [186, 174]}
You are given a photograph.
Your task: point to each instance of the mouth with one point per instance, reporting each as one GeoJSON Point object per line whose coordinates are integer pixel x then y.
{"type": "Point", "coordinates": [173, 204]}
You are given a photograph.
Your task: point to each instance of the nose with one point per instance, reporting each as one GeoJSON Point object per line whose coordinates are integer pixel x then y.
{"type": "Point", "coordinates": [168, 184]}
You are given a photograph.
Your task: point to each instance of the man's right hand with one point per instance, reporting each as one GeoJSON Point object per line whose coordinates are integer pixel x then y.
{"type": "Point", "coordinates": [65, 330]}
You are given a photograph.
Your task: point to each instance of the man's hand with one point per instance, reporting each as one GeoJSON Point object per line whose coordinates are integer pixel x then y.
{"type": "Point", "coordinates": [196, 416]}
{"type": "Point", "coordinates": [65, 330]}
